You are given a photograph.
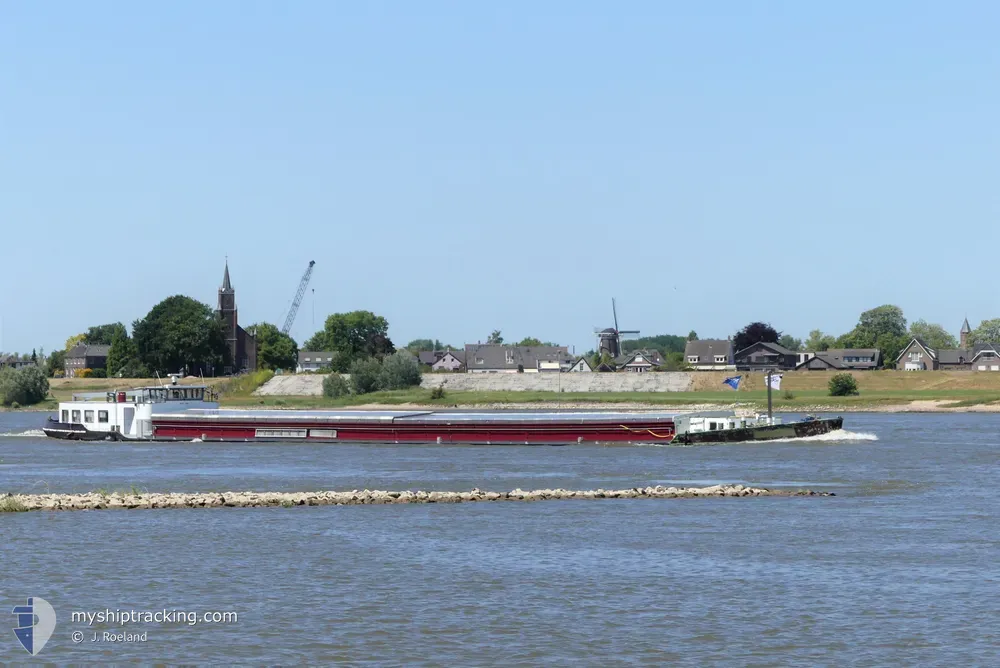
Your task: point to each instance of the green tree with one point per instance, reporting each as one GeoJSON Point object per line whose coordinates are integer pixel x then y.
{"type": "Point", "coordinates": [874, 325]}
{"type": "Point", "coordinates": [665, 343]}
{"type": "Point", "coordinates": [357, 335]}
{"type": "Point", "coordinates": [416, 345]}
{"type": "Point", "coordinates": [399, 371]}
{"type": "Point", "coordinates": [335, 386]}
{"type": "Point", "coordinates": [753, 333]}
{"type": "Point", "coordinates": [673, 361]}
{"type": "Point", "coordinates": [932, 334]}
{"type": "Point", "coordinates": [365, 375]}
{"type": "Point", "coordinates": [181, 334]}
{"type": "Point", "coordinates": [495, 338]}
{"type": "Point", "coordinates": [530, 341]}
{"type": "Point", "coordinates": [987, 332]}
{"type": "Point", "coordinates": [818, 341]}
{"type": "Point", "coordinates": [25, 386]}
{"type": "Point", "coordinates": [123, 357]}
{"type": "Point", "coordinates": [73, 341]}
{"type": "Point", "coordinates": [602, 358]}
{"type": "Point", "coordinates": [882, 327]}
{"type": "Point", "coordinates": [790, 342]}
{"type": "Point", "coordinates": [692, 335]}
{"type": "Point", "coordinates": [275, 349]}
{"type": "Point", "coordinates": [340, 362]}
{"type": "Point", "coordinates": [103, 335]}
{"type": "Point", "coordinates": [55, 363]}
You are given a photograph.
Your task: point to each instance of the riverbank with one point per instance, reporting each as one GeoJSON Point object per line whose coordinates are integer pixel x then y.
{"type": "Point", "coordinates": [929, 401]}
{"type": "Point", "coordinates": [136, 500]}
{"type": "Point", "coordinates": [802, 392]}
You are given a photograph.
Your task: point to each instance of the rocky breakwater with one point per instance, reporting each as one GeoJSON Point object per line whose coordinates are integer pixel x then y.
{"type": "Point", "coordinates": [132, 500]}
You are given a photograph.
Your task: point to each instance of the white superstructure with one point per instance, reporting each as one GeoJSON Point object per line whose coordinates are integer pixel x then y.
{"type": "Point", "coordinates": [700, 423]}
{"type": "Point", "coordinates": [127, 414]}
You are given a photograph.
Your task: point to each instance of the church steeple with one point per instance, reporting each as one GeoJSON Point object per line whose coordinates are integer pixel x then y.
{"type": "Point", "coordinates": [963, 334]}
{"type": "Point", "coordinates": [227, 286]}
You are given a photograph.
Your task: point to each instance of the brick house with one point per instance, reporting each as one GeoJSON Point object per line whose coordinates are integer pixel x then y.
{"type": "Point", "coordinates": [82, 357]}
{"type": "Point", "coordinates": [763, 356]}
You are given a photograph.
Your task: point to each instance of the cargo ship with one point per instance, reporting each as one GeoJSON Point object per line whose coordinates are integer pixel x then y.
{"type": "Point", "coordinates": [188, 413]}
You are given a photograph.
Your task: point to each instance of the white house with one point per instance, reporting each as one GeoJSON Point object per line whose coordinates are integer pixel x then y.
{"type": "Point", "coordinates": [311, 360]}
{"type": "Point", "coordinates": [452, 360]}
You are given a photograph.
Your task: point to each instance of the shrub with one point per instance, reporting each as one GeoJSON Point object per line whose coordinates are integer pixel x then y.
{"type": "Point", "coordinates": [335, 386]}
{"type": "Point", "coordinates": [399, 371]}
{"type": "Point", "coordinates": [247, 383]}
{"type": "Point", "coordinates": [84, 373]}
{"type": "Point", "coordinates": [843, 385]}
{"type": "Point", "coordinates": [365, 375]}
{"type": "Point", "coordinates": [788, 395]}
{"type": "Point", "coordinates": [438, 392]}
{"type": "Point", "coordinates": [99, 373]}
{"type": "Point", "coordinates": [11, 505]}
{"type": "Point", "coordinates": [23, 386]}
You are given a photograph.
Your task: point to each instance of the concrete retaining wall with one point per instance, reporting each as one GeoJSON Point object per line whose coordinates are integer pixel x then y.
{"type": "Point", "coordinates": [308, 385]}
{"type": "Point", "coordinates": [565, 382]}
{"type": "Point", "coordinates": [305, 385]}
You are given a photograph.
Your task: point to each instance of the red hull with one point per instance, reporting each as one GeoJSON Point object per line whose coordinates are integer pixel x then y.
{"type": "Point", "coordinates": [528, 433]}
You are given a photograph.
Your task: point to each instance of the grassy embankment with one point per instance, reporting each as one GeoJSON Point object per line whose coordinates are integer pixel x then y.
{"type": "Point", "coordinates": [807, 390]}
{"type": "Point", "coordinates": [800, 391]}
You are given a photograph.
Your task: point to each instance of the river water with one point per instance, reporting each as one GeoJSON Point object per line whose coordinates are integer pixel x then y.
{"type": "Point", "coordinates": [900, 567]}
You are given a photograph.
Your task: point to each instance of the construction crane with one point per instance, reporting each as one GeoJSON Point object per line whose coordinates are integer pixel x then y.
{"type": "Point", "coordinates": [294, 309]}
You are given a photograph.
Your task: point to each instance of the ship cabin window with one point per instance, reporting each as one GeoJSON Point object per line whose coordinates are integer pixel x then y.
{"type": "Point", "coordinates": [88, 416]}
{"type": "Point", "coordinates": [64, 417]}
{"type": "Point", "coordinates": [102, 416]}
{"type": "Point", "coordinates": [76, 417]}
{"type": "Point", "coordinates": [711, 426]}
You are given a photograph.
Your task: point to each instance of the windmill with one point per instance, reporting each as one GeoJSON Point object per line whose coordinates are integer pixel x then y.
{"type": "Point", "coordinates": [609, 340]}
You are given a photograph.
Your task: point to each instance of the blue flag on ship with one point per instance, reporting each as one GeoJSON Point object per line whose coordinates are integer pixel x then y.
{"type": "Point", "coordinates": [733, 382]}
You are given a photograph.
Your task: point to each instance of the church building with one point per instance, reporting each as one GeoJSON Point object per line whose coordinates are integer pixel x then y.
{"type": "Point", "coordinates": [242, 346]}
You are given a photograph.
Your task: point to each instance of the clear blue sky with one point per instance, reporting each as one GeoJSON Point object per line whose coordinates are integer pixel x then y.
{"type": "Point", "coordinates": [459, 167]}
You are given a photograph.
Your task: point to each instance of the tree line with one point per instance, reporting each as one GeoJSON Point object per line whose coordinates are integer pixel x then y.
{"type": "Point", "coordinates": [178, 335]}
{"type": "Point", "coordinates": [883, 327]}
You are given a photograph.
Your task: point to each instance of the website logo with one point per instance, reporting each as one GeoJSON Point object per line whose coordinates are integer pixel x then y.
{"type": "Point", "coordinates": [35, 624]}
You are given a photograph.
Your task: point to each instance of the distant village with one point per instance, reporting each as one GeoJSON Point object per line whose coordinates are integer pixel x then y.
{"type": "Point", "coordinates": [699, 355]}
{"type": "Point", "coordinates": [615, 352]}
